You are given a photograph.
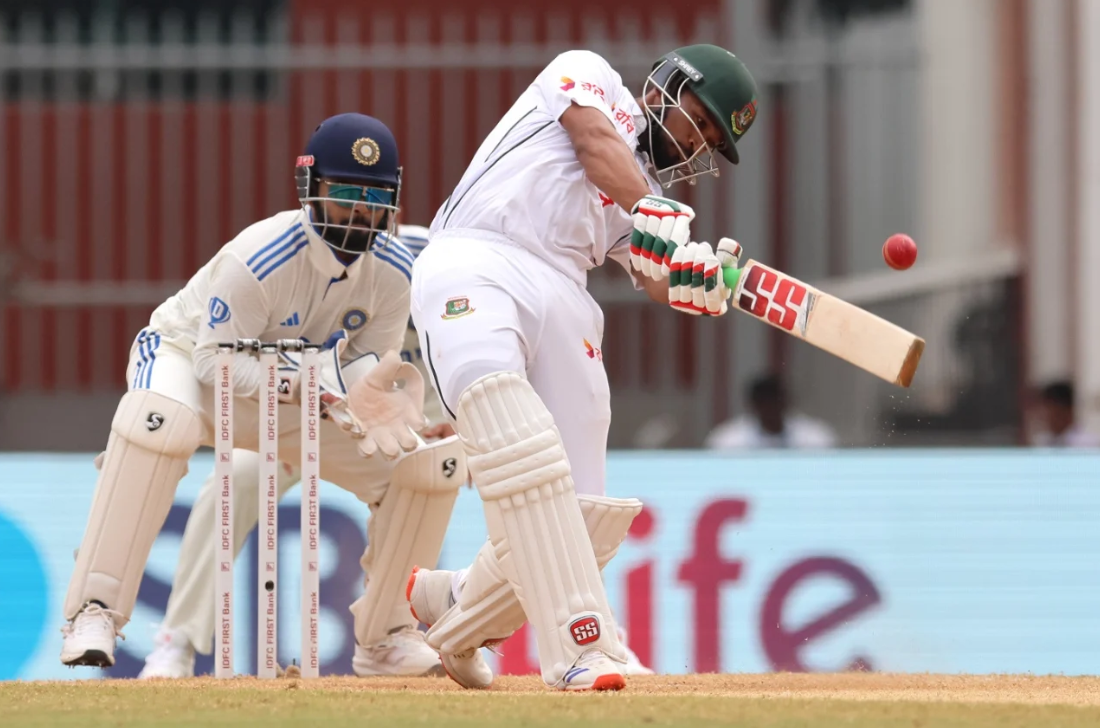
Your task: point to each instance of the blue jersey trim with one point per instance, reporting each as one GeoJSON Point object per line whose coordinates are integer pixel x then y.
{"type": "Point", "coordinates": [399, 264]}
{"type": "Point", "coordinates": [261, 262]}
{"type": "Point", "coordinates": [301, 243]}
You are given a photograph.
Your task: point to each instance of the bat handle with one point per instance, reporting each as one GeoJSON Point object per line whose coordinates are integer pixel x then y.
{"type": "Point", "coordinates": [731, 277]}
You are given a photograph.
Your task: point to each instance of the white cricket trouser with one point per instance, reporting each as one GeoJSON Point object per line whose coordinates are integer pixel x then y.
{"type": "Point", "coordinates": [482, 304]}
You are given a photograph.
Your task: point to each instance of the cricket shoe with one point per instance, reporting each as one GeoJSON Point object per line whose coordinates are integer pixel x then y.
{"type": "Point", "coordinates": [593, 670]}
{"type": "Point", "coordinates": [403, 652]}
{"type": "Point", "coordinates": [634, 665]}
{"type": "Point", "coordinates": [89, 639]}
{"type": "Point", "coordinates": [173, 657]}
{"type": "Point", "coordinates": [431, 593]}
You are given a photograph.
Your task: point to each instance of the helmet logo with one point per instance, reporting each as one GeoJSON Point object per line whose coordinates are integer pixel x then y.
{"type": "Point", "coordinates": [366, 151]}
{"type": "Point", "coordinates": [306, 160]}
{"type": "Point", "coordinates": [742, 119]}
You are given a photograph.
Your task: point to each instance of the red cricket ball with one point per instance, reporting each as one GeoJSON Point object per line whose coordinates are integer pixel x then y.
{"type": "Point", "coordinates": [899, 251]}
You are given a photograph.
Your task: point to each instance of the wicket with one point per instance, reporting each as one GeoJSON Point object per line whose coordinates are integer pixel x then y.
{"type": "Point", "coordinates": [268, 528]}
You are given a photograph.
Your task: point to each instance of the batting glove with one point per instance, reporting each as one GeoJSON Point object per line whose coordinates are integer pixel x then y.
{"type": "Point", "coordinates": [695, 282]}
{"type": "Point", "coordinates": [661, 226]}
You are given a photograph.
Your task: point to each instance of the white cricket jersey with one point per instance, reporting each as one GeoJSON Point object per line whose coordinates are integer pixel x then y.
{"type": "Point", "coordinates": [526, 184]}
{"type": "Point", "coordinates": [279, 280]}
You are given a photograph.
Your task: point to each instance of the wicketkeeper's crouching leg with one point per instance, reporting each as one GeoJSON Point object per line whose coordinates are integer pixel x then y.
{"type": "Point", "coordinates": [405, 529]}
{"type": "Point", "coordinates": [546, 549]}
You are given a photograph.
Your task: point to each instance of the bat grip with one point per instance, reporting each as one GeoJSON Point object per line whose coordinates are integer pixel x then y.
{"type": "Point", "coordinates": [731, 277]}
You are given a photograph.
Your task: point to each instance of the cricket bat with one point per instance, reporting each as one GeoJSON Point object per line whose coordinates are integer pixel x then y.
{"type": "Point", "coordinates": [846, 331]}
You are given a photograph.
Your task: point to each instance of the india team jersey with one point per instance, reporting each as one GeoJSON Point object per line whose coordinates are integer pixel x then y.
{"type": "Point", "coordinates": [526, 184]}
{"type": "Point", "coordinates": [279, 280]}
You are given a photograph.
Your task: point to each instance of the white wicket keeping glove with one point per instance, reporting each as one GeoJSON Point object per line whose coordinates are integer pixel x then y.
{"type": "Point", "coordinates": [661, 226]}
{"type": "Point", "coordinates": [334, 393]}
{"type": "Point", "coordinates": [390, 416]}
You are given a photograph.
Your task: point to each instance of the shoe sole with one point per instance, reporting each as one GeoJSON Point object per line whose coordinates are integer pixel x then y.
{"type": "Point", "coordinates": [603, 683]}
{"type": "Point", "coordinates": [91, 658]}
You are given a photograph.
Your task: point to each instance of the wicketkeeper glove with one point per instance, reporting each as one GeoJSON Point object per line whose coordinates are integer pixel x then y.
{"type": "Point", "coordinates": [695, 282]}
{"type": "Point", "coordinates": [390, 415]}
{"type": "Point", "coordinates": [661, 226]}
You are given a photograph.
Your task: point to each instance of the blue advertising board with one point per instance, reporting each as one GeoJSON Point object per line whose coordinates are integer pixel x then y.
{"type": "Point", "coordinates": [910, 561]}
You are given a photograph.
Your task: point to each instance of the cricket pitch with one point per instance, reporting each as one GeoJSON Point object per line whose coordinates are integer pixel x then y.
{"type": "Point", "coordinates": [773, 700]}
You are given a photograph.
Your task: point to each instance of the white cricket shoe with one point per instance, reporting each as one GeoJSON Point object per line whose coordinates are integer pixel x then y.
{"type": "Point", "coordinates": [430, 593]}
{"type": "Point", "coordinates": [634, 665]}
{"type": "Point", "coordinates": [90, 637]}
{"type": "Point", "coordinates": [469, 669]}
{"type": "Point", "coordinates": [593, 670]}
{"type": "Point", "coordinates": [402, 652]}
{"type": "Point", "coordinates": [173, 657]}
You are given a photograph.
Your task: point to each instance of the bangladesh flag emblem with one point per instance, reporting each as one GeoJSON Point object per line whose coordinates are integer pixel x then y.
{"type": "Point", "coordinates": [456, 307]}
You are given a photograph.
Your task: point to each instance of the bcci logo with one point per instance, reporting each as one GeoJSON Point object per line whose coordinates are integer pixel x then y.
{"type": "Point", "coordinates": [366, 151]}
{"type": "Point", "coordinates": [354, 319]}
{"type": "Point", "coordinates": [585, 630]}
{"type": "Point", "coordinates": [456, 307]}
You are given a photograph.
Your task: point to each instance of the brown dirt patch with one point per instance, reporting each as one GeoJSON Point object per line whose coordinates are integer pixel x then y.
{"type": "Point", "coordinates": [1023, 689]}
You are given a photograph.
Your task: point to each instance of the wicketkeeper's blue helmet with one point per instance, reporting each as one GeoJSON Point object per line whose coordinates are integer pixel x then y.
{"type": "Point", "coordinates": [355, 155]}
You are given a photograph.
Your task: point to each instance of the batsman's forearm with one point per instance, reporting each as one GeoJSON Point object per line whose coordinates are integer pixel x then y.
{"type": "Point", "coordinates": [611, 167]}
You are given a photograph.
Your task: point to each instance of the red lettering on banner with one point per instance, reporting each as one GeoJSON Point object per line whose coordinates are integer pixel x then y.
{"type": "Point", "coordinates": [639, 595]}
{"type": "Point", "coordinates": [783, 646]}
{"type": "Point", "coordinates": [516, 653]}
{"type": "Point", "coordinates": [705, 572]}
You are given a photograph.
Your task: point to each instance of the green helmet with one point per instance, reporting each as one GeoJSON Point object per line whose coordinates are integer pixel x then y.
{"type": "Point", "coordinates": [722, 83]}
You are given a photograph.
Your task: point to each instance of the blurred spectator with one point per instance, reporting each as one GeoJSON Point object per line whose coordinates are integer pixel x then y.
{"type": "Point", "coordinates": [770, 425]}
{"type": "Point", "coordinates": [1056, 412]}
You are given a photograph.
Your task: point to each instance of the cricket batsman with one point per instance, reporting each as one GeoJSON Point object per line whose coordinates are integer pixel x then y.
{"type": "Point", "coordinates": [570, 178]}
{"type": "Point", "coordinates": [188, 625]}
{"type": "Point", "coordinates": [331, 271]}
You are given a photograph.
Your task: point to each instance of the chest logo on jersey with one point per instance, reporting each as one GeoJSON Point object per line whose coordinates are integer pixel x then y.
{"type": "Point", "coordinates": [457, 307]}
{"type": "Point", "coordinates": [354, 319]}
{"type": "Point", "coordinates": [219, 311]}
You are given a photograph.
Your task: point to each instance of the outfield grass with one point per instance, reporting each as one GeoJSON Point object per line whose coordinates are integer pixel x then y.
{"type": "Point", "coordinates": [775, 701]}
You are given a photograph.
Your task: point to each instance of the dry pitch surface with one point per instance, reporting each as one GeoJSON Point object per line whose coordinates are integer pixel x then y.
{"type": "Point", "coordinates": [819, 700]}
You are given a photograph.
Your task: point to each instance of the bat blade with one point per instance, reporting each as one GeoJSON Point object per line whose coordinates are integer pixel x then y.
{"type": "Point", "coordinates": [829, 323]}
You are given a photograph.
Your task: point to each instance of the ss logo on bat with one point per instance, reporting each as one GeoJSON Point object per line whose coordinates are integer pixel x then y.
{"type": "Point", "coordinates": [775, 298]}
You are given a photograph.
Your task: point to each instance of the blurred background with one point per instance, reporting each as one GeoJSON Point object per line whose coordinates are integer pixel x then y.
{"type": "Point", "coordinates": [138, 136]}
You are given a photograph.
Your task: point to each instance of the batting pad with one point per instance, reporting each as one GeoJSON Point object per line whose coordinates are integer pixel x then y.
{"type": "Point", "coordinates": [487, 611]}
{"type": "Point", "coordinates": [407, 530]}
{"type": "Point", "coordinates": [518, 463]}
{"type": "Point", "coordinates": [152, 438]}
